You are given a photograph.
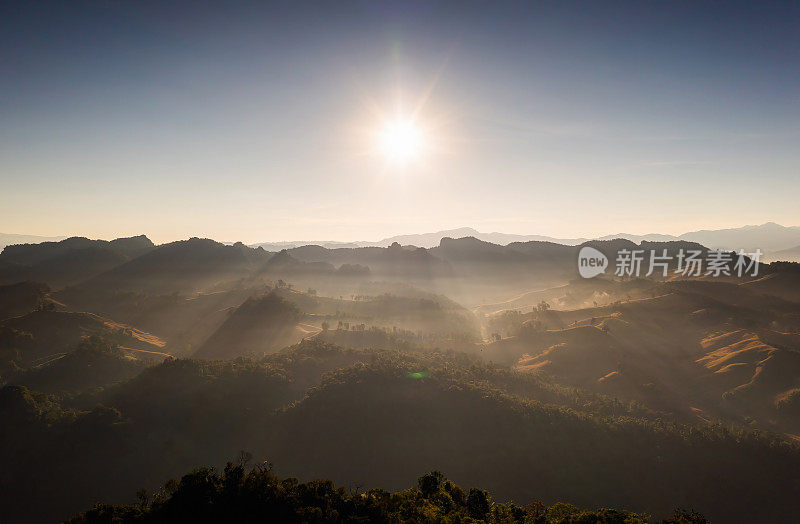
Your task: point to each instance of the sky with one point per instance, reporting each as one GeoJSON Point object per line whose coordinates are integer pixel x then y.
{"type": "Point", "coordinates": [259, 121]}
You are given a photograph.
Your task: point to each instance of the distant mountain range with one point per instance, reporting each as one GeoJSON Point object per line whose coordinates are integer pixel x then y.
{"type": "Point", "coordinates": [7, 239]}
{"type": "Point", "coordinates": [770, 237]}
{"type": "Point", "coordinates": [777, 242]}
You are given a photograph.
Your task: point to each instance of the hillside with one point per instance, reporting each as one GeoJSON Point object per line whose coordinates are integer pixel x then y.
{"type": "Point", "coordinates": [394, 261]}
{"type": "Point", "coordinates": [187, 265]}
{"type": "Point", "coordinates": [69, 261]}
{"type": "Point", "coordinates": [260, 325]}
{"type": "Point", "coordinates": [374, 421]}
{"type": "Point", "coordinates": [782, 283]}
{"type": "Point", "coordinates": [710, 350]}
{"type": "Point", "coordinates": [94, 363]}
{"type": "Point", "coordinates": [391, 307]}
{"type": "Point", "coordinates": [788, 255]}
{"type": "Point", "coordinates": [41, 337]}
{"type": "Point", "coordinates": [21, 298]}
{"type": "Point", "coordinates": [634, 393]}
{"type": "Point", "coordinates": [31, 254]}
{"type": "Point", "coordinates": [532, 298]}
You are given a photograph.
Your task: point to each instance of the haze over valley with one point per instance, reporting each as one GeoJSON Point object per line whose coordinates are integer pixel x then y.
{"type": "Point", "coordinates": [399, 262]}
{"type": "Point", "coordinates": [149, 345]}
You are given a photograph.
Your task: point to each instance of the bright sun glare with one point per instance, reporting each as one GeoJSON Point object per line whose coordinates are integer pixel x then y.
{"type": "Point", "coordinates": [401, 140]}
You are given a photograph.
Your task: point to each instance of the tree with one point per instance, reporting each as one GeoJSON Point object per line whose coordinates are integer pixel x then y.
{"type": "Point", "coordinates": [143, 497]}
{"type": "Point", "coordinates": [45, 304]}
{"type": "Point", "coordinates": [478, 503]}
{"type": "Point", "coordinates": [542, 306]}
{"type": "Point", "coordinates": [430, 483]}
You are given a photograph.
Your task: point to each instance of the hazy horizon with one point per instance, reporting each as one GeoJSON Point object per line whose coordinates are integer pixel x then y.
{"type": "Point", "coordinates": [382, 238]}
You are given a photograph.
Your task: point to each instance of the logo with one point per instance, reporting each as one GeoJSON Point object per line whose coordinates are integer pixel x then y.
{"type": "Point", "coordinates": [591, 262]}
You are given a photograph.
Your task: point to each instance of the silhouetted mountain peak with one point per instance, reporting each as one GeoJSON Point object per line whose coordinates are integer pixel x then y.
{"type": "Point", "coordinates": [282, 258]}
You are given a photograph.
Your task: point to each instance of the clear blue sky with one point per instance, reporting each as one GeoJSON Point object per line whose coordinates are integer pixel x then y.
{"type": "Point", "coordinates": [243, 121]}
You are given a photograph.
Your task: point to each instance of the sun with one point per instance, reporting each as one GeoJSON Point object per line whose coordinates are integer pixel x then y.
{"type": "Point", "coordinates": [401, 140]}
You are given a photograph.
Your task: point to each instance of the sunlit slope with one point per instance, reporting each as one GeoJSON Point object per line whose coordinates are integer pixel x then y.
{"type": "Point", "coordinates": [63, 352]}
{"type": "Point", "coordinates": [42, 335]}
{"type": "Point", "coordinates": [679, 352]}
{"type": "Point", "coordinates": [753, 367]}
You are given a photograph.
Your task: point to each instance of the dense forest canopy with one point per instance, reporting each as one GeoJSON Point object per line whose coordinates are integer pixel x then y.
{"type": "Point", "coordinates": [236, 495]}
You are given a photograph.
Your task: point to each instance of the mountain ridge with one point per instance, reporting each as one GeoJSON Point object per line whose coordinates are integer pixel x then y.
{"type": "Point", "coordinates": [769, 237]}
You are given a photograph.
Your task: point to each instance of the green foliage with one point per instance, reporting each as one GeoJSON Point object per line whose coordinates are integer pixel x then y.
{"type": "Point", "coordinates": [203, 495]}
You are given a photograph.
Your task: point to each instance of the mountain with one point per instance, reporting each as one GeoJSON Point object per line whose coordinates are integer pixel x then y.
{"type": "Point", "coordinates": [768, 237]}
{"type": "Point", "coordinates": [637, 239]}
{"type": "Point", "coordinates": [260, 325]}
{"type": "Point", "coordinates": [185, 265]}
{"type": "Point", "coordinates": [714, 350]}
{"type": "Point", "coordinates": [285, 265]}
{"type": "Point", "coordinates": [377, 418]}
{"type": "Point", "coordinates": [394, 261]}
{"type": "Point", "coordinates": [31, 254]}
{"type": "Point", "coordinates": [433, 239]}
{"type": "Point", "coordinates": [328, 244]}
{"type": "Point", "coordinates": [640, 393]}
{"type": "Point", "coordinates": [184, 322]}
{"type": "Point", "coordinates": [7, 239]}
{"type": "Point", "coordinates": [781, 279]}
{"type": "Point", "coordinates": [426, 240]}
{"type": "Point", "coordinates": [787, 255]}
{"type": "Point", "coordinates": [425, 315]}
{"type": "Point", "coordinates": [95, 362]}
{"type": "Point", "coordinates": [68, 261]}
{"type": "Point", "coordinates": [21, 298]}
{"type": "Point", "coordinates": [43, 335]}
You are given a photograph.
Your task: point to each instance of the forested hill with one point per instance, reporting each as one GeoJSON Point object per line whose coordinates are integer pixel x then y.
{"type": "Point", "coordinates": [377, 418]}
{"type": "Point", "coordinates": [204, 495]}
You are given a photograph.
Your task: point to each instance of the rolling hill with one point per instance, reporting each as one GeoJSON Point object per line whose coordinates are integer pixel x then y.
{"type": "Point", "coordinates": [69, 261]}
{"type": "Point", "coordinates": [42, 336]}
{"type": "Point", "coordinates": [697, 349]}
{"type": "Point", "coordinates": [260, 325]}
{"type": "Point", "coordinates": [374, 422]}
{"type": "Point", "coordinates": [184, 266]}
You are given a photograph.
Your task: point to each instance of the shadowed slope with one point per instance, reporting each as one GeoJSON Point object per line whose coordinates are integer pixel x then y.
{"type": "Point", "coordinates": [260, 325]}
